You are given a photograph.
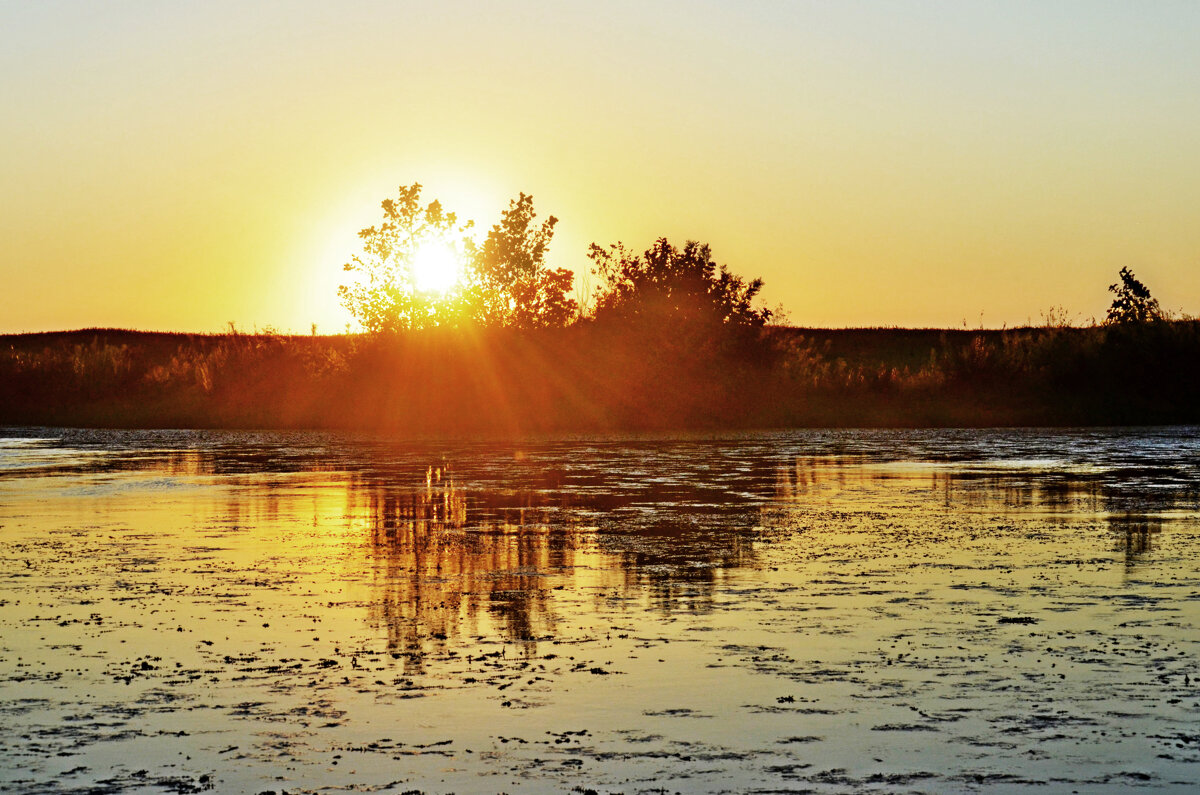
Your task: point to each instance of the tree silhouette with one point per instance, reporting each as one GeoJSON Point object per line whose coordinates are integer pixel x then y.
{"type": "Point", "coordinates": [680, 287]}
{"type": "Point", "coordinates": [385, 298]}
{"type": "Point", "coordinates": [514, 286]}
{"type": "Point", "coordinates": [1133, 304]}
{"type": "Point", "coordinates": [505, 281]}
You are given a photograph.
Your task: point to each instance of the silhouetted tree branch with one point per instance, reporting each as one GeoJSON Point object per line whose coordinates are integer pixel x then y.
{"type": "Point", "coordinates": [515, 287]}
{"type": "Point", "coordinates": [384, 297]}
{"type": "Point", "coordinates": [676, 286]}
{"type": "Point", "coordinates": [1133, 303]}
{"type": "Point", "coordinates": [505, 282]}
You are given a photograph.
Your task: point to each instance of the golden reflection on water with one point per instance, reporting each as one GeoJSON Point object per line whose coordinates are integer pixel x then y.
{"type": "Point", "coordinates": [445, 560]}
{"type": "Point", "coordinates": [1135, 535]}
{"type": "Point", "coordinates": [1012, 488]}
{"type": "Point", "coordinates": [1028, 490]}
{"type": "Point", "coordinates": [433, 578]}
{"type": "Point", "coordinates": [444, 557]}
{"type": "Point", "coordinates": [825, 609]}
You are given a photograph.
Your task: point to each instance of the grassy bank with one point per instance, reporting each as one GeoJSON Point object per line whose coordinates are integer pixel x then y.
{"type": "Point", "coordinates": [587, 378]}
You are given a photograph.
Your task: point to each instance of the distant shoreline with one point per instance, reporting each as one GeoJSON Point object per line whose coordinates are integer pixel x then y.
{"type": "Point", "coordinates": [586, 379]}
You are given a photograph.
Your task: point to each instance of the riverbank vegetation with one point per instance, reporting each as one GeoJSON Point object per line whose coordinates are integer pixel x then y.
{"type": "Point", "coordinates": [463, 336]}
{"type": "Point", "coordinates": [588, 377]}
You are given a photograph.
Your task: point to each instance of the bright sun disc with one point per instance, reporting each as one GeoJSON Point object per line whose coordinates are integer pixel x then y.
{"type": "Point", "coordinates": [436, 268]}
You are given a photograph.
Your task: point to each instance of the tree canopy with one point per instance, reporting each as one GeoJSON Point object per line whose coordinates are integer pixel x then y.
{"type": "Point", "coordinates": [674, 286]}
{"type": "Point", "coordinates": [515, 286]}
{"type": "Point", "coordinates": [505, 281]}
{"type": "Point", "coordinates": [680, 293]}
{"type": "Point", "coordinates": [384, 296]}
{"type": "Point", "coordinates": [1133, 303]}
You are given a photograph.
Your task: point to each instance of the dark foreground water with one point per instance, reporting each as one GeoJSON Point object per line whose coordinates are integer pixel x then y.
{"type": "Point", "coordinates": [929, 611]}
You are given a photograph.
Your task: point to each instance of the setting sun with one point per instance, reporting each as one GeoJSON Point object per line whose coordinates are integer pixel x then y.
{"type": "Point", "coordinates": [436, 268]}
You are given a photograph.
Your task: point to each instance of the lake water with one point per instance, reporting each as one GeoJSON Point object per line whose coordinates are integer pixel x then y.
{"type": "Point", "coordinates": [823, 611]}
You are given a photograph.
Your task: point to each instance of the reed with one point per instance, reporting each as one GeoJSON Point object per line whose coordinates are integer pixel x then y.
{"type": "Point", "coordinates": [590, 377]}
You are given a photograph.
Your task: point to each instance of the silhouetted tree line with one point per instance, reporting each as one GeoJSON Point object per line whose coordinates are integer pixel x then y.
{"type": "Point", "coordinates": [505, 282]}
{"type": "Point", "coordinates": [669, 338]}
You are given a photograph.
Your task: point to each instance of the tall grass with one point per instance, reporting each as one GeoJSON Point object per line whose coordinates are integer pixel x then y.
{"type": "Point", "coordinates": [590, 377]}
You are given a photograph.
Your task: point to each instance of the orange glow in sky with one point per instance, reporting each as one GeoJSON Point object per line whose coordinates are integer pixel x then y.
{"type": "Point", "coordinates": [181, 166]}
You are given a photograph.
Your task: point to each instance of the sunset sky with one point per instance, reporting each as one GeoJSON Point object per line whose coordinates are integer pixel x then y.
{"type": "Point", "coordinates": [177, 166]}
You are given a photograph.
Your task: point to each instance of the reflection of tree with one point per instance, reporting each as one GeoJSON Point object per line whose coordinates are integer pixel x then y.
{"type": "Point", "coordinates": [439, 574]}
{"type": "Point", "coordinates": [1133, 512]}
{"type": "Point", "coordinates": [448, 561]}
{"type": "Point", "coordinates": [681, 561]}
{"type": "Point", "coordinates": [1134, 534]}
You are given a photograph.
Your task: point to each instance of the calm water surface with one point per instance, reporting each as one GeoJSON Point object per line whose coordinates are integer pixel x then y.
{"type": "Point", "coordinates": [782, 612]}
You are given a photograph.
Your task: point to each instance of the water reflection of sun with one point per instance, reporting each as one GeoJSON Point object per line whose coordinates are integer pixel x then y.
{"type": "Point", "coordinates": [437, 268]}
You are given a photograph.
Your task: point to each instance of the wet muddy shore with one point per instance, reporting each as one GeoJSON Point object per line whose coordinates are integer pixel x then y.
{"type": "Point", "coordinates": [847, 611]}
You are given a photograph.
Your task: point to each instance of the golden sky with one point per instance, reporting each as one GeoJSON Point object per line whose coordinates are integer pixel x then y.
{"type": "Point", "coordinates": [177, 166]}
